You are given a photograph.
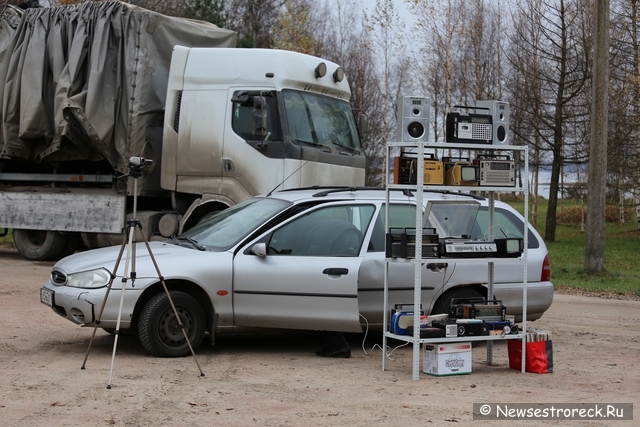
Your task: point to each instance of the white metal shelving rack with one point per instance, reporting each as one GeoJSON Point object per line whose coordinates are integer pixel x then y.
{"type": "Point", "coordinates": [419, 149]}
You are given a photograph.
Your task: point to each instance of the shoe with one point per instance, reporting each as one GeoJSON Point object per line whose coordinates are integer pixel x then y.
{"type": "Point", "coordinates": [342, 352]}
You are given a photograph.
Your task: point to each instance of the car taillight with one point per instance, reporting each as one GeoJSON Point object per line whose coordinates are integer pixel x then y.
{"type": "Point", "coordinates": [546, 270]}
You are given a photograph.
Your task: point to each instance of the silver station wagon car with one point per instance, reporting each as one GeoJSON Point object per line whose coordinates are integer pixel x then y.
{"type": "Point", "coordinates": [309, 259]}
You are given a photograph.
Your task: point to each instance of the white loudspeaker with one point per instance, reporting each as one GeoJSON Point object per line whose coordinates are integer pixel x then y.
{"type": "Point", "coordinates": [499, 110]}
{"type": "Point", "coordinates": [413, 118]}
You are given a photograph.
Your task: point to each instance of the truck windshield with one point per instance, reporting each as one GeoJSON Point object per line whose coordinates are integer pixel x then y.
{"type": "Point", "coordinates": [224, 230]}
{"type": "Point", "coordinates": [320, 120]}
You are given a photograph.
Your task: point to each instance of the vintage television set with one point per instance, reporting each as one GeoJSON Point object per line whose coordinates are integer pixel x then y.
{"type": "Point", "coordinates": [462, 173]}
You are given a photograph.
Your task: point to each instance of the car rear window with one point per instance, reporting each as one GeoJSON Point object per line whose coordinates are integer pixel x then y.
{"type": "Point", "coordinates": [505, 224]}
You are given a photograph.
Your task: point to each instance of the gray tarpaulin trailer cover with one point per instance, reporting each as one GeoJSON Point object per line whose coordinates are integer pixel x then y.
{"type": "Point", "coordinates": [85, 81]}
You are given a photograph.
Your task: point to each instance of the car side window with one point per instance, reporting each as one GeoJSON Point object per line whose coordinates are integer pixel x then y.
{"type": "Point", "coordinates": [330, 231]}
{"type": "Point", "coordinates": [400, 216]}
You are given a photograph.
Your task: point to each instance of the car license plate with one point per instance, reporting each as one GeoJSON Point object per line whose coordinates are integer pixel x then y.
{"type": "Point", "coordinates": [46, 296]}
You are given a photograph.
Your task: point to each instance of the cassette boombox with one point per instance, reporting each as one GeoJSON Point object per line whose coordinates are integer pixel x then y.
{"type": "Point", "coordinates": [497, 171]}
{"type": "Point", "coordinates": [405, 170]}
{"type": "Point", "coordinates": [469, 129]}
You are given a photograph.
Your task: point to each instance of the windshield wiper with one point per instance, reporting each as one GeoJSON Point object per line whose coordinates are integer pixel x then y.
{"type": "Point", "coordinates": [315, 144]}
{"type": "Point", "coordinates": [346, 147]}
{"type": "Point", "coordinates": [176, 241]}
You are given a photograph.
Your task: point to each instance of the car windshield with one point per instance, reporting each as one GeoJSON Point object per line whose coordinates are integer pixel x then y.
{"type": "Point", "coordinates": [321, 121]}
{"type": "Point", "coordinates": [228, 227]}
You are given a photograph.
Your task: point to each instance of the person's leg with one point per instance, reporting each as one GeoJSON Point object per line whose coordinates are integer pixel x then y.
{"type": "Point", "coordinates": [335, 345]}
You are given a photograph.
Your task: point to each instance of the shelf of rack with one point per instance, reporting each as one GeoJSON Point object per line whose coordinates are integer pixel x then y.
{"type": "Point", "coordinates": [419, 188]}
{"type": "Point", "coordinates": [408, 338]}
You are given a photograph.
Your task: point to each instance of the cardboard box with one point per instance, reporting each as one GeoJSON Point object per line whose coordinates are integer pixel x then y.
{"type": "Point", "coordinates": [447, 359]}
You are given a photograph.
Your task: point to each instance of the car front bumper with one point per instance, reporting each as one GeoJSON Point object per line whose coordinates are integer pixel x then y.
{"type": "Point", "coordinates": [83, 306]}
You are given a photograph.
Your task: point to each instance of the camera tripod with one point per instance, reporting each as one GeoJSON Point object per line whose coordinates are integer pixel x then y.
{"type": "Point", "coordinates": [135, 171]}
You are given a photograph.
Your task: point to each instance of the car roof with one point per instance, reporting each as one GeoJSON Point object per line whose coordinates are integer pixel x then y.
{"type": "Point", "coordinates": [317, 193]}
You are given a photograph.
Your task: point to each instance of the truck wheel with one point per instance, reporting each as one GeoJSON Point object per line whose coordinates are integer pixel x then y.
{"type": "Point", "coordinates": [158, 328]}
{"type": "Point", "coordinates": [443, 304]}
{"type": "Point", "coordinates": [39, 245]}
{"type": "Point", "coordinates": [72, 245]}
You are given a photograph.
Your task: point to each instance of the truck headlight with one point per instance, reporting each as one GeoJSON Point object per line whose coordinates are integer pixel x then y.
{"type": "Point", "coordinates": [89, 279]}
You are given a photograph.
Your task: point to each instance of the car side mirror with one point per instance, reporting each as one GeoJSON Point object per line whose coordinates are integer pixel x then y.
{"type": "Point", "coordinates": [259, 249]}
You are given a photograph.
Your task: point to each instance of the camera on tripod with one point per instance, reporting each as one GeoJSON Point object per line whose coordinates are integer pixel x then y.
{"type": "Point", "coordinates": [139, 161]}
{"type": "Point", "coordinates": [136, 164]}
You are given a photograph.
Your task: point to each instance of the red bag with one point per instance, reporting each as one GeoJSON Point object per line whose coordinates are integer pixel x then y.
{"type": "Point", "coordinates": [539, 356]}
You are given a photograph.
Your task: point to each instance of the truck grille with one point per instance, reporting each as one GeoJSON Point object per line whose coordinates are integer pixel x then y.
{"type": "Point", "coordinates": [176, 117]}
{"type": "Point", "coordinates": [58, 277]}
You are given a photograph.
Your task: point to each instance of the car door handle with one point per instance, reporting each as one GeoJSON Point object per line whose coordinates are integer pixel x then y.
{"type": "Point", "coordinates": [335, 271]}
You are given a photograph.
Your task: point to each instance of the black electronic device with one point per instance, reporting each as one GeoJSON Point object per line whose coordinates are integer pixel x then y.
{"type": "Point", "coordinates": [401, 243]}
{"type": "Point", "coordinates": [427, 332]}
{"type": "Point", "coordinates": [473, 329]}
{"type": "Point", "coordinates": [509, 247]}
{"type": "Point", "coordinates": [429, 243]}
{"type": "Point", "coordinates": [503, 326]}
{"type": "Point", "coordinates": [474, 128]}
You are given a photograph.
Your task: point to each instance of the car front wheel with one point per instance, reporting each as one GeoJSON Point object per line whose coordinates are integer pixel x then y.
{"type": "Point", "coordinates": [159, 330]}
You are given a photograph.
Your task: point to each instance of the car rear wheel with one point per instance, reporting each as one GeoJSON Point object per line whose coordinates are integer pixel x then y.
{"type": "Point", "coordinates": [159, 330]}
{"type": "Point", "coordinates": [443, 304]}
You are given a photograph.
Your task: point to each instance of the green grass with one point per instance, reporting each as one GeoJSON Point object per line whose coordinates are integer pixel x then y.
{"type": "Point", "coordinates": [621, 273]}
{"type": "Point", "coordinates": [8, 239]}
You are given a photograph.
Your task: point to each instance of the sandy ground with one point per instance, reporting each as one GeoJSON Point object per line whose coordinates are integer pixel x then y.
{"type": "Point", "coordinates": [279, 381]}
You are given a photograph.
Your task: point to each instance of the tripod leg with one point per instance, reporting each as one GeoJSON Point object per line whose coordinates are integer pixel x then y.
{"type": "Point", "coordinates": [104, 302]}
{"type": "Point", "coordinates": [173, 307]}
{"type": "Point", "coordinates": [124, 285]}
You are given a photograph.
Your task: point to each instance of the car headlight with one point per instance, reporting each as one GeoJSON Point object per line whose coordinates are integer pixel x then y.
{"type": "Point", "coordinates": [89, 279]}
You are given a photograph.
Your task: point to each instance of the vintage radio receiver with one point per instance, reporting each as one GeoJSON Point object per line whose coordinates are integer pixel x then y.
{"type": "Point", "coordinates": [405, 170]}
{"type": "Point", "coordinates": [401, 243]}
{"type": "Point", "coordinates": [462, 173]}
{"type": "Point", "coordinates": [469, 129]}
{"type": "Point", "coordinates": [497, 171]}
{"type": "Point", "coordinates": [477, 308]}
{"type": "Point", "coordinates": [462, 248]}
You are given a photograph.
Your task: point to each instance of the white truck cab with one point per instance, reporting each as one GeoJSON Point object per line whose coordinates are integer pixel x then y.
{"type": "Point", "coordinates": [239, 122]}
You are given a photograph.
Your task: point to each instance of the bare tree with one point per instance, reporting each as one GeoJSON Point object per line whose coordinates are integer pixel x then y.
{"type": "Point", "coordinates": [296, 28]}
{"type": "Point", "coordinates": [349, 43]}
{"type": "Point", "coordinates": [624, 103]}
{"type": "Point", "coordinates": [254, 21]}
{"type": "Point", "coordinates": [562, 51]}
{"type": "Point", "coordinates": [438, 25]}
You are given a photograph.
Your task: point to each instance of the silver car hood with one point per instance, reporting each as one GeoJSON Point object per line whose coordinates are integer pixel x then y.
{"type": "Point", "coordinates": [169, 257]}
